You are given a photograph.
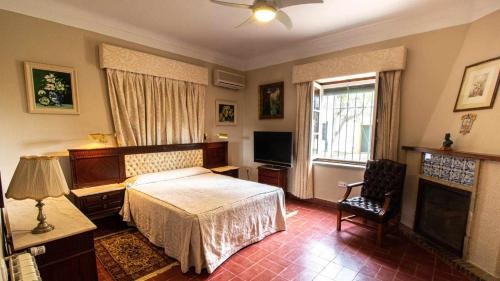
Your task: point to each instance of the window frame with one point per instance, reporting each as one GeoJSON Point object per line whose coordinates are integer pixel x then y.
{"type": "Point", "coordinates": [371, 79]}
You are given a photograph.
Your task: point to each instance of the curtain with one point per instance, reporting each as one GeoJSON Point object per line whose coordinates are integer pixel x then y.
{"type": "Point", "coordinates": [388, 107]}
{"type": "Point", "coordinates": [303, 178]}
{"type": "Point", "coordinates": [150, 110]}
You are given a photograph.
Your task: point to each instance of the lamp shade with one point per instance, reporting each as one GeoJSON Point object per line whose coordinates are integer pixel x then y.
{"type": "Point", "coordinates": [37, 177]}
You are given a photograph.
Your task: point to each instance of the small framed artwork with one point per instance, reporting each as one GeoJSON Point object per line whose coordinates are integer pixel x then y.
{"type": "Point", "coordinates": [51, 89]}
{"type": "Point", "coordinates": [271, 101]}
{"type": "Point", "coordinates": [479, 86]}
{"type": "Point", "coordinates": [226, 113]}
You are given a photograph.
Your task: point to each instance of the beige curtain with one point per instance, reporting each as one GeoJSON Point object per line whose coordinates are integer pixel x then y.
{"type": "Point", "coordinates": [388, 107]}
{"type": "Point", "coordinates": [303, 178]}
{"type": "Point", "coordinates": [150, 110]}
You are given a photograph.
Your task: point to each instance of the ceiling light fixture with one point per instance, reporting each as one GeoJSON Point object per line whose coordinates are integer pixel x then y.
{"type": "Point", "coordinates": [264, 13]}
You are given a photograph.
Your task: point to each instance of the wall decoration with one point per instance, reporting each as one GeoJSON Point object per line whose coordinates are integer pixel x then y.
{"type": "Point", "coordinates": [51, 89]}
{"type": "Point", "coordinates": [226, 113]}
{"type": "Point", "coordinates": [467, 122]}
{"type": "Point", "coordinates": [449, 168]}
{"type": "Point", "coordinates": [479, 86]}
{"type": "Point", "coordinates": [271, 101]}
{"type": "Point", "coordinates": [447, 143]}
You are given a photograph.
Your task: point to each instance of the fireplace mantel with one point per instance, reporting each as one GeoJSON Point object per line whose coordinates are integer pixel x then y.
{"type": "Point", "coordinates": [457, 153]}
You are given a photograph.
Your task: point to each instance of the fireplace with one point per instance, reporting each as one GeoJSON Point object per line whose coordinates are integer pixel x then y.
{"type": "Point", "coordinates": [442, 214]}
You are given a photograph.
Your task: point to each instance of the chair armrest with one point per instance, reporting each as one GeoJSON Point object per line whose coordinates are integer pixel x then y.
{"type": "Point", "coordinates": [387, 201]}
{"type": "Point", "coordinates": [355, 184]}
{"type": "Point", "coordinates": [349, 189]}
{"type": "Point", "coordinates": [391, 194]}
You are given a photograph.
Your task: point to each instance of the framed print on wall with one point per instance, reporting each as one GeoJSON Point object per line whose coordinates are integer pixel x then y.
{"type": "Point", "coordinates": [271, 101]}
{"type": "Point", "coordinates": [225, 113]}
{"type": "Point", "coordinates": [479, 86]}
{"type": "Point", "coordinates": [51, 89]}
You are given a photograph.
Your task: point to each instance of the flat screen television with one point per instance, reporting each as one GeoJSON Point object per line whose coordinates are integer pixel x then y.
{"type": "Point", "coordinates": [273, 148]}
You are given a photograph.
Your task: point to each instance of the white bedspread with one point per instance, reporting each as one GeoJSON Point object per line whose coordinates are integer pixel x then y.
{"type": "Point", "coordinates": [202, 220]}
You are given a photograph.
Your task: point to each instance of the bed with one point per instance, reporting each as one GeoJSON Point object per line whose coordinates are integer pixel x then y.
{"type": "Point", "coordinates": [200, 218]}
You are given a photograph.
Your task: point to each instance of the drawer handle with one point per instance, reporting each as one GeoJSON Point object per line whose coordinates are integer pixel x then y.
{"type": "Point", "coordinates": [104, 197]}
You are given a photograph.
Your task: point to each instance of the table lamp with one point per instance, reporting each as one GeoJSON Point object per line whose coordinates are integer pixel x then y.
{"type": "Point", "coordinates": [38, 177]}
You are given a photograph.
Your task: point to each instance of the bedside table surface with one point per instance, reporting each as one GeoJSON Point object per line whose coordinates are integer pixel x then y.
{"type": "Point", "coordinates": [80, 192]}
{"type": "Point", "coordinates": [224, 169]}
{"type": "Point", "coordinates": [60, 212]}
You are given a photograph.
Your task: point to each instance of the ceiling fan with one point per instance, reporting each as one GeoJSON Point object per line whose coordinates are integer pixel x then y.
{"type": "Point", "coordinates": [267, 10]}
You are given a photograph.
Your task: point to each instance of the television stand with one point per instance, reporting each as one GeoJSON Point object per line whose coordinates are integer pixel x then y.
{"type": "Point", "coordinates": [274, 175]}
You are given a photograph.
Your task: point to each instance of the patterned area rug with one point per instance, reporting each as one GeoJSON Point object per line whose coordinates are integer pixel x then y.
{"type": "Point", "coordinates": [128, 255]}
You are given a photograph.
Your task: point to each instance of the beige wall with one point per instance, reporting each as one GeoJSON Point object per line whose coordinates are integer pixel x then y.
{"type": "Point", "coordinates": [482, 42]}
{"type": "Point", "coordinates": [29, 39]}
{"type": "Point", "coordinates": [430, 58]}
{"type": "Point", "coordinates": [435, 65]}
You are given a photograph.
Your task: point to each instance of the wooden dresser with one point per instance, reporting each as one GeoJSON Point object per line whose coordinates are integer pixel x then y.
{"type": "Point", "coordinates": [70, 253]}
{"type": "Point", "coordinates": [273, 175]}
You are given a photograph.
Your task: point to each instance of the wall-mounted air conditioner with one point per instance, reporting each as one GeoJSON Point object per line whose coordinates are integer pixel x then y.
{"type": "Point", "coordinates": [229, 80]}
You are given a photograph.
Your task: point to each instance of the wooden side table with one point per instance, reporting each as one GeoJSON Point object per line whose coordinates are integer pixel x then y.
{"type": "Point", "coordinates": [99, 201]}
{"type": "Point", "coordinates": [273, 175]}
{"type": "Point", "coordinates": [231, 171]}
{"type": "Point", "coordinates": [70, 253]}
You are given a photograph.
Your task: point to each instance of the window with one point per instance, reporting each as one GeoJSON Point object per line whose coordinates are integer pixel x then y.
{"type": "Point", "coordinates": [343, 117]}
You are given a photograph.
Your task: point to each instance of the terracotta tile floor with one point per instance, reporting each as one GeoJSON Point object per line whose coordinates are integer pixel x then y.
{"type": "Point", "coordinates": [311, 249]}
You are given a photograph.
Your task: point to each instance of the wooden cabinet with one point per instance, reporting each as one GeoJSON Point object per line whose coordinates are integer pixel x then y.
{"type": "Point", "coordinates": [273, 175]}
{"type": "Point", "coordinates": [99, 201]}
{"type": "Point", "coordinates": [231, 171]}
{"type": "Point", "coordinates": [69, 248]}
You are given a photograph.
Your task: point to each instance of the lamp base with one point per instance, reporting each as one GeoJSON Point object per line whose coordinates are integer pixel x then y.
{"type": "Point", "coordinates": [42, 226]}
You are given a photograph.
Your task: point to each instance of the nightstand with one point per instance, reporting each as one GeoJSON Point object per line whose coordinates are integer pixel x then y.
{"type": "Point", "coordinates": [69, 248]}
{"type": "Point", "coordinates": [99, 201]}
{"type": "Point", "coordinates": [273, 175]}
{"type": "Point", "coordinates": [231, 171]}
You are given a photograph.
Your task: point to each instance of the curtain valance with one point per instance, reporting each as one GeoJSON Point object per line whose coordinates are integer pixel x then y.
{"type": "Point", "coordinates": [113, 57]}
{"type": "Point", "coordinates": [374, 61]}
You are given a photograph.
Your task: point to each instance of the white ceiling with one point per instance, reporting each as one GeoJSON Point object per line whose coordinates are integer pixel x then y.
{"type": "Point", "coordinates": [201, 29]}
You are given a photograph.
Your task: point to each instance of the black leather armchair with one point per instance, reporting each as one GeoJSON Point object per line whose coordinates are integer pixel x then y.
{"type": "Point", "coordinates": [380, 199]}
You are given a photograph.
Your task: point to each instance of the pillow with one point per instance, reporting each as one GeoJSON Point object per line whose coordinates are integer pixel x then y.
{"type": "Point", "coordinates": [165, 176]}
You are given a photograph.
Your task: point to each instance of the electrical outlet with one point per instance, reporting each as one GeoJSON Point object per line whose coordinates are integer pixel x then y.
{"type": "Point", "coordinates": [342, 184]}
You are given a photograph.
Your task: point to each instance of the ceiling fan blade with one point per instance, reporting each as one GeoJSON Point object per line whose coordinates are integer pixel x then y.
{"type": "Point", "coordinates": [234, 5]}
{"type": "Point", "coordinates": [247, 21]}
{"type": "Point", "coordinates": [284, 19]}
{"type": "Point", "coordinates": [288, 3]}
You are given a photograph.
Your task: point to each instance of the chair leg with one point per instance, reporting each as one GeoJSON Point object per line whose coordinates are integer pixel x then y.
{"type": "Point", "coordinates": [380, 234]}
{"type": "Point", "coordinates": [339, 220]}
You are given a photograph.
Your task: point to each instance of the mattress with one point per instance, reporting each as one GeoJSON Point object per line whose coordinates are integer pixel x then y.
{"type": "Point", "coordinates": [201, 218]}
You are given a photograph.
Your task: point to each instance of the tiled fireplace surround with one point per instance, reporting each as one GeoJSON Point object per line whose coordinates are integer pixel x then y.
{"type": "Point", "coordinates": [458, 171]}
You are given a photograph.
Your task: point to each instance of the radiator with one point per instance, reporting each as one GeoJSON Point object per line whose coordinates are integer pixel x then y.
{"type": "Point", "coordinates": [22, 267]}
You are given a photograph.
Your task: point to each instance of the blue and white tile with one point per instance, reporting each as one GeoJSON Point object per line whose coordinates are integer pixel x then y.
{"type": "Point", "coordinates": [470, 166]}
{"type": "Point", "coordinates": [445, 174]}
{"type": "Point", "coordinates": [447, 161]}
{"type": "Point", "coordinates": [455, 176]}
{"type": "Point", "coordinates": [467, 178]}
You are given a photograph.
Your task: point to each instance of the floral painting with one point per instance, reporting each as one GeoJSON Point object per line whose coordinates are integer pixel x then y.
{"type": "Point", "coordinates": [51, 89]}
{"type": "Point", "coordinates": [225, 112]}
{"type": "Point", "coordinates": [479, 87]}
{"type": "Point", "coordinates": [271, 101]}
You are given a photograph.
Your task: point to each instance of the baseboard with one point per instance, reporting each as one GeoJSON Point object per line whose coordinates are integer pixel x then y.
{"type": "Point", "coordinates": [316, 201]}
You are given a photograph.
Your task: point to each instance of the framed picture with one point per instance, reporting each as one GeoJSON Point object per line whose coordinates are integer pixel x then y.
{"type": "Point", "coordinates": [271, 101]}
{"type": "Point", "coordinates": [51, 89]}
{"type": "Point", "coordinates": [479, 86]}
{"type": "Point", "coordinates": [225, 113]}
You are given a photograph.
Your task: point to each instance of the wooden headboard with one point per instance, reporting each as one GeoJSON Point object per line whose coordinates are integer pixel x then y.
{"type": "Point", "coordinates": [93, 167]}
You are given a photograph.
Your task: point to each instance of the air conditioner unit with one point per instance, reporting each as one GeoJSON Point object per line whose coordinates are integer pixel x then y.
{"type": "Point", "coordinates": [229, 80]}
